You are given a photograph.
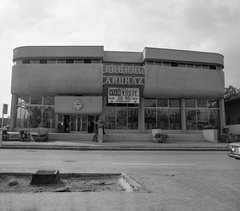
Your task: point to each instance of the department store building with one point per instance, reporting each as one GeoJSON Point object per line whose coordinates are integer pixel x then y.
{"type": "Point", "coordinates": [67, 88]}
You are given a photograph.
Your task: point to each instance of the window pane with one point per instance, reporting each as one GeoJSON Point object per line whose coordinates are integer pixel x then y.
{"type": "Point", "coordinates": [149, 62]}
{"type": "Point", "coordinates": [121, 118]}
{"type": "Point", "coordinates": [35, 116]}
{"type": "Point", "coordinates": [110, 118]}
{"type": "Point", "coordinates": [43, 61]}
{"type": "Point", "coordinates": [132, 118]}
{"type": "Point", "coordinates": [182, 64]}
{"type": "Point", "coordinates": [191, 119]}
{"type": "Point", "coordinates": [162, 102]}
{"type": "Point", "coordinates": [26, 61]}
{"type": "Point", "coordinates": [61, 61]}
{"type": "Point", "coordinates": [166, 63]}
{"type": "Point", "coordinates": [96, 61]}
{"type": "Point", "coordinates": [36, 100]}
{"type": "Point", "coordinates": [213, 104]}
{"type": "Point", "coordinates": [202, 103]}
{"type": "Point", "coordinates": [48, 117]}
{"type": "Point", "coordinates": [190, 103]}
{"type": "Point", "coordinates": [150, 118]}
{"type": "Point", "coordinates": [23, 100]}
{"type": "Point", "coordinates": [22, 120]}
{"type": "Point", "coordinates": [202, 118]}
{"type": "Point", "coordinates": [87, 61]}
{"type": "Point", "coordinates": [214, 118]}
{"type": "Point", "coordinates": [150, 102]}
{"type": "Point", "coordinates": [34, 61]}
{"type": "Point", "coordinates": [190, 65]}
{"type": "Point", "coordinates": [78, 61]}
{"type": "Point", "coordinates": [48, 100]}
{"type": "Point", "coordinates": [158, 63]}
{"type": "Point", "coordinates": [162, 119]}
{"type": "Point", "coordinates": [69, 61]}
{"type": "Point", "coordinates": [174, 102]}
{"type": "Point", "coordinates": [175, 119]}
{"type": "Point", "coordinates": [52, 61]}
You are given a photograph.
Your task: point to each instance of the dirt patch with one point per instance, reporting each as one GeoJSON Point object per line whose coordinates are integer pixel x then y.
{"type": "Point", "coordinates": [68, 183]}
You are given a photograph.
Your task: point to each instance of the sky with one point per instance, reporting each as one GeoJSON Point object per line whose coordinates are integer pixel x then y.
{"type": "Point", "coordinates": [121, 25]}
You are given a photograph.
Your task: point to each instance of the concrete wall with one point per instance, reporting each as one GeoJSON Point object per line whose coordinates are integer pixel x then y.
{"type": "Point", "coordinates": [164, 81]}
{"type": "Point", "coordinates": [91, 105]}
{"type": "Point", "coordinates": [183, 55]}
{"type": "Point", "coordinates": [125, 57]}
{"type": "Point", "coordinates": [234, 128]}
{"type": "Point", "coordinates": [56, 79]}
{"type": "Point", "coordinates": [31, 52]}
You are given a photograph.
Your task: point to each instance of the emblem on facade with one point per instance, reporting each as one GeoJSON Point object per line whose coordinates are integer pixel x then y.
{"type": "Point", "coordinates": [78, 105]}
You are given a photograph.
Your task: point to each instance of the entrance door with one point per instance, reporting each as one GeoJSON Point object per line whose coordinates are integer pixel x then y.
{"type": "Point", "coordinates": [79, 123]}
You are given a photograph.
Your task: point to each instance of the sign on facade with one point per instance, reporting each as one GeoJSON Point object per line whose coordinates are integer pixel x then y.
{"type": "Point", "coordinates": [123, 95]}
{"type": "Point", "coordinates": [123, 75]}
{"type": "Point", "coordinates": [5, 109]}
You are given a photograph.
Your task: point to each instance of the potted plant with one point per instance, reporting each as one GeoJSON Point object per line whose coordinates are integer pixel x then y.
{"type": "Point", "coordinates": [160, 137]}
{"type": "Point", "coordinates": [225, 130]}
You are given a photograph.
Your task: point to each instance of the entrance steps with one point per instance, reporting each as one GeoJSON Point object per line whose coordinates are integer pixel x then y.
{"type": "Point", "coordinates": [123, 137]}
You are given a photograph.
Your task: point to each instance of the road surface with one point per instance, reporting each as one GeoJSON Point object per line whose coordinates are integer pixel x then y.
{"type": "Point", "coordinates": [176, 180]}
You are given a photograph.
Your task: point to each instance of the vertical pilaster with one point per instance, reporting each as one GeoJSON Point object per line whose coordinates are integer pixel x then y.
{"type": "Point", "coordinates": [104, 98]}
{"type": "Point", "coordinates": [56, 122]}
{"type": "Point", "coordinates": [13, 113]}
{"type": "Point", "coordinates": [183, 116]}
{"type": "Point", "coordinates": [141, 116]}
{"type": "Point", "coordinates": [222, 113]}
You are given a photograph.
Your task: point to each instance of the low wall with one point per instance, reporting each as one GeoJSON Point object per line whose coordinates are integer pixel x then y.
{"type": "Point", "coordinates": [234, 128]}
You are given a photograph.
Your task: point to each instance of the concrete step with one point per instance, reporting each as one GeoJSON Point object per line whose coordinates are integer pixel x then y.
{"type": "Point", "coordinates": [124, 137]}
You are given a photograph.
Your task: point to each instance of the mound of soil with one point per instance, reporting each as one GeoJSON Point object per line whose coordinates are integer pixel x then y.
{"type": "Point", "coordinates": [22, 184]}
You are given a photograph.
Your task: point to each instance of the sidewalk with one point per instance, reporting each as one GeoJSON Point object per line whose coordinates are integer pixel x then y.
{"type": "Point", "coordinates": [117, 145]}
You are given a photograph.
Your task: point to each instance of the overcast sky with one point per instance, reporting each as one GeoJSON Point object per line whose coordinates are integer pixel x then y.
{"type": "Point", "coordinates": [121, 25]}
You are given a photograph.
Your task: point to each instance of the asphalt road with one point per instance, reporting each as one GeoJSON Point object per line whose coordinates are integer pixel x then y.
{"type": "Point", "coordinates": [176, 180]}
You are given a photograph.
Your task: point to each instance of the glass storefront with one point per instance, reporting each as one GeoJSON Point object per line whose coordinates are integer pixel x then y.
{"type": "Point", "coordinates": [162, 113]}
{"type": "Point", "coordinates": [200, 113]}
{"type": "Point", "coordinates": [33, 110]}
{"type": "Point", "coordinates": [158, 113]}
{"type": "Point", "coordinates": [121, 116]}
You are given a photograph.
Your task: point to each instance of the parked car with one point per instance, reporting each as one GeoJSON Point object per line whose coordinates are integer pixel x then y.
{"type": "Point", "coordinates": [234, 150]}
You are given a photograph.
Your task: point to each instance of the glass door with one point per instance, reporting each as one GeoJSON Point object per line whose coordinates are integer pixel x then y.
{"type": "Point", "coordinates": [73, 122]}
{"type": "Point", "coordinates": [79, 123]}
{"type": "Point", "coordinates": [84, 124]}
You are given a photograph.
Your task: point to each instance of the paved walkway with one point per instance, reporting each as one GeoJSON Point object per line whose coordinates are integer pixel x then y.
{"type": "Point", "coordinates": [117, 145]}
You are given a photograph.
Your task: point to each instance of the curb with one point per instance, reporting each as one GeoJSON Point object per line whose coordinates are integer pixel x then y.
{"type": "Point", "coordinates": [118, 148]}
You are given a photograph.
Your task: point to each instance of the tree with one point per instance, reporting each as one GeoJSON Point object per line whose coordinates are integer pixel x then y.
{"type": "Point", "coordinates": [230, 92]}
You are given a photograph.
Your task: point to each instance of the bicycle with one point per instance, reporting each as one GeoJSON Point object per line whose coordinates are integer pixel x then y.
{"type": "Point", "coordinates": [231, 138]}
{"type": "Point", "coordinates": [95, 136]}
{"type": "Point", "coordinates": [5, 136]}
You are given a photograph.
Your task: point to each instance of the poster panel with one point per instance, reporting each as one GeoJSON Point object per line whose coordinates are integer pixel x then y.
{"type": "Point", "coordinates": [123, 95]}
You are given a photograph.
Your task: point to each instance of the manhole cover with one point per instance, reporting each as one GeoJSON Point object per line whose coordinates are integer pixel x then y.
{"type": "Point", "coordinates": [69, 182]}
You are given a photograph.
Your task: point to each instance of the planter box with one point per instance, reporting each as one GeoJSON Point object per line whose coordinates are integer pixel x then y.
{"type": "Point", "coordinates": [211, 135]}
